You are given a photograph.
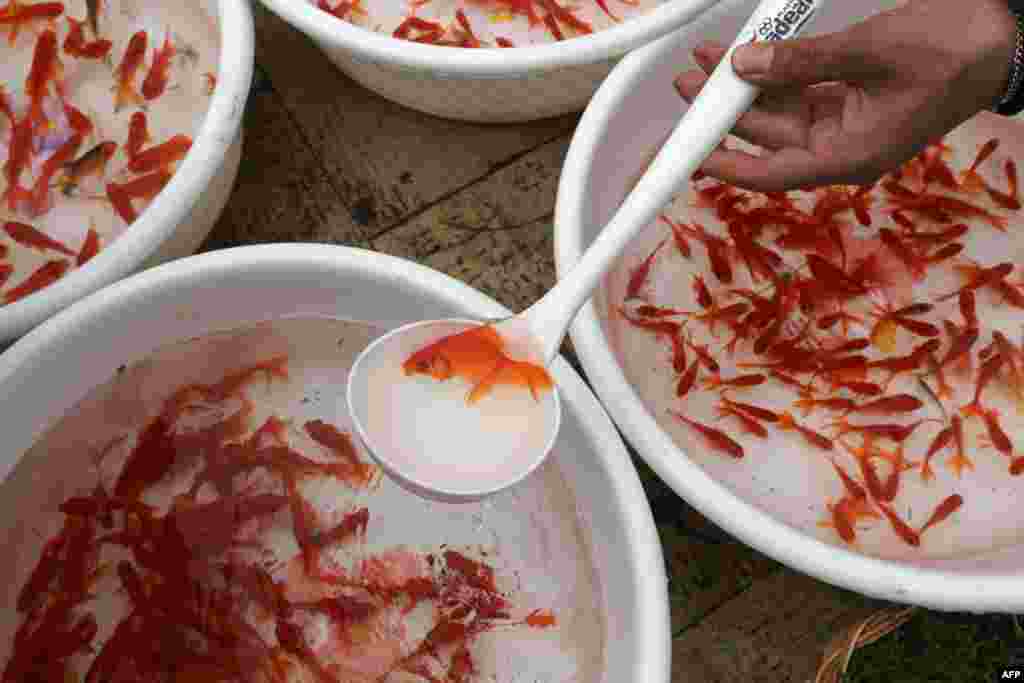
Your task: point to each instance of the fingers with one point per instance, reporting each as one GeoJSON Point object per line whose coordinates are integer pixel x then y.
{"type": "Point", "coordinates": [793, 168]}
{"type": "Point", "coordinates": [770, 123]}
{"type": "Point", "coordinates": [844, 56]}
{"type": "Point", "coordinates": [794, 64]}
{"type": "Point", "coordinates": [847, 145]}
{"type": "Point", "coordinates": [787, 169]}
{"type": "Point", "coordinates": [708, 55]}
{"type": "Point", "coordinates": [805, 87]}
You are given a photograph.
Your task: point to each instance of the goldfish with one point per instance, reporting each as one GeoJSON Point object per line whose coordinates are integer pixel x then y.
{"type": "Point", "coordinates": [17, 15]}
{"type": "Point", "coordinates": [121, 195]}
{"type": "Point", "coordinates": [30, 237]}
{"type": "Point", "coordinates": [5, 106]}
{"type": "Point", "coordinates": [76, 46]}
{"type": "Point", "coordinates": [59, 159]}
{"type": "Point", "coordinates": [46, 67]}
{"type": "Point", "coordinates": [162, 155]}
{"type": "Point", "coordinates": [134, 56]}
{"type": "Point", "coordinates": [78, 121]}
{"type": "Point", "coordinates": [90, 247]}
{"type": "Point", "coordinates": [92, 163]}
{"type": "Point", "coordinates": [138, 134]}
{"type": "Point", "coordinates": [18, 157]}
{"type": "Point", "coordinates": [477, 355]}
{"type": "Point", "coordinates": [156, 79]}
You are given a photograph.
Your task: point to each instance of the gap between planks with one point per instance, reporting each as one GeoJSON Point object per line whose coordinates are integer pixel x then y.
{"type": "Point", "coordinates": [500, 166]}
{"type": "Point", "coordinates": [773, 632]}
{"type": "Point", "coordinates": [385, 162]}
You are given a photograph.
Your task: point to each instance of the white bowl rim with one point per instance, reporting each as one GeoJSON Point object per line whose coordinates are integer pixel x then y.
{"type": "Point", "coordinates": [650, 583]}
{"type": "Point", "coordinates": [457, 62]}
{"type": "Point", "coordinates": [945, 590]}
{"type": "Point", "coordinates": [165, 213]}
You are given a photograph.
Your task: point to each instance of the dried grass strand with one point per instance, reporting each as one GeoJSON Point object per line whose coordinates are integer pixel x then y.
{"type": "Point", "coordinates": [839, 651]}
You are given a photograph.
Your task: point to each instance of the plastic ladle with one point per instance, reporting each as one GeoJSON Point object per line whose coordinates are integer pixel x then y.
{"type": "Point", "coordinates": [536, 334]}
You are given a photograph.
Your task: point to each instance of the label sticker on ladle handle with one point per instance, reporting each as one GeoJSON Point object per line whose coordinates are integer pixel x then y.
{"type": "Point", "coordinates": [778, 20]}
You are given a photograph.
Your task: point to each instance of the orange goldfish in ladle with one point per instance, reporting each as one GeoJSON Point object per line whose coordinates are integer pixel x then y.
{"type": "Point", "coordinates": [477, 355]}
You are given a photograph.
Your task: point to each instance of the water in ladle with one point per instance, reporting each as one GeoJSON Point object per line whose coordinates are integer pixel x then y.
{"type": "Point", "coordinates": [453, 410]}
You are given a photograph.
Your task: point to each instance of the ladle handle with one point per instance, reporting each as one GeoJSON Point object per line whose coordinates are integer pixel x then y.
{"type": "Point", "coordinates": [721, 102]}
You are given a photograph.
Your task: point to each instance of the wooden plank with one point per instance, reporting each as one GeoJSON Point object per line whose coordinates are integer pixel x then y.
{"type": "Point", "coordinates": [385, 161]}
{"type": "Point", "coordinates": [282, 193]}
{"type": "Point", "coordinates": [518, 197]}
{"type": "Point", "coordinates": [775, 632]}
{"type": "Point", "coordinates": [495, 235]}
{"type": "Point", "coordinates": [705, 574]}
{"type": "Point", "coordinates": [514, 266]}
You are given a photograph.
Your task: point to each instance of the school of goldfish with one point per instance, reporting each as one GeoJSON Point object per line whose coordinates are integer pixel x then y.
{"type": "Point", "coordinates": [35, 178]}
{"type": "Point", "coordinates": [561, 21]}
{"type": "Point", "coordinates": [210, 593]}
{"type": "Point", "coordinates": [835, 277]}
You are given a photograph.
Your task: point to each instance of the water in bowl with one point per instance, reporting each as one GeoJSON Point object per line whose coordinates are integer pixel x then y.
{"type": "Point", "coordinates": [783, 474]}
{"type": "Point", "coordinates": [416, 566]}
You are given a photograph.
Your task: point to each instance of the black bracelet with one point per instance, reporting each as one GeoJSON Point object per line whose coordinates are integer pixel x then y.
{"type": "Point", "coordinates": [1012, 102]}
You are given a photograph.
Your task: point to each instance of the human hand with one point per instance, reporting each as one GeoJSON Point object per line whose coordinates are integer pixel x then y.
{"type": "Point", "coordinates": [849, 107]}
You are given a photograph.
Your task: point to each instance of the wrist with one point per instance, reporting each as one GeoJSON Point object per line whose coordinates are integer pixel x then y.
{"type": "Point", "coordinates": [1010, 100]}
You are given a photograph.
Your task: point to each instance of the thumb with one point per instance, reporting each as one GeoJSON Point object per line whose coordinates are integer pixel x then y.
{"type": "Point", "coordinates": [804, 61]}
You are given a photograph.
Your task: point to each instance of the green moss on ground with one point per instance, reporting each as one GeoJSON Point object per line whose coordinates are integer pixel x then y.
{"type": "Point", "coordinates": [938, 647]}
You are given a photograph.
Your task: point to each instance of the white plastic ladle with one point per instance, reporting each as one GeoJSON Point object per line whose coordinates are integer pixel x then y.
{"type": "Point", "coordinates": [536, 334]}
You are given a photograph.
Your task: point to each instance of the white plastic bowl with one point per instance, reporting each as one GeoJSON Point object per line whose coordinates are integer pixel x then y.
{"type": "Point", "coordinates": [182, 215]}
{"type": "Point", "coordinates": [59, 362]}
{"type": "Point", "coordinates": [488, 85]}
{"type": "Point", "coordinates": [627, 119]}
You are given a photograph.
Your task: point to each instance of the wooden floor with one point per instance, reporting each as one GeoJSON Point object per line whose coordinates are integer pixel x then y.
{"type": "Point", "coordinates": [328, 161]}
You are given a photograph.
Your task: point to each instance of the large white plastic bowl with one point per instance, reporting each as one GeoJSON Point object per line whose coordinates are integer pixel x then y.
{"type": "Point", "coordinates": [487, 85]}
{"type": "Point", "coordinates": [624, 123]}
{"type": "Point", "coordinates": [182, 215]}
{"type": "Point", "coordinates": [47, 371]}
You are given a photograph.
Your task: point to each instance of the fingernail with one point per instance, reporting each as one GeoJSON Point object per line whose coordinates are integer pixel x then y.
{"type": "Point", "coordinates": [681, 87]}
{"type": "Point", "coordinates": [752, 60]}
{"type": "Point", "coordinates": [685, 83]}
